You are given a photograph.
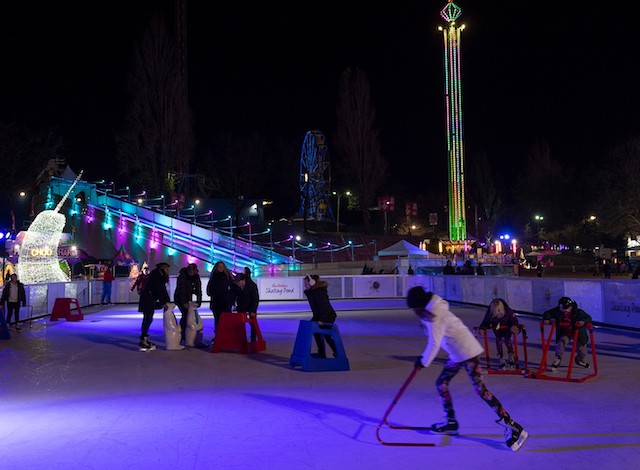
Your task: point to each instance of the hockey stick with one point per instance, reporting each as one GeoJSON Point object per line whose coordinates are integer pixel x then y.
{"type": "Point", "coordinates": [392, 426]}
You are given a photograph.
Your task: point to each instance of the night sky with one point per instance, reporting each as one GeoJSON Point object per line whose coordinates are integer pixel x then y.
{"type": "Point", "coordinates": [533, 70]}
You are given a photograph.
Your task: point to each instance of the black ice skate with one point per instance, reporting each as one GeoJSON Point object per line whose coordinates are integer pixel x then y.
{"type": "Point", "coordinates": [514, 435]}
{"type": "Point", "coordinates": [448, 427]}
{"type": "Point", "coordinates": [556, 364]}
{"type": "Point", "coordinates": [582, 363]}
{"type": "Point", "coordinates": [146, 345]}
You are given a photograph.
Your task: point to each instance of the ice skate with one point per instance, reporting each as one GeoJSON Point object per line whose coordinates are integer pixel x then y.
{"type": "Point", "coordinates": [512, 360]}
{"type": "Point", "coordinates": [514, 435]}
{"type": "Point", "coordinates": [556, 364]}
{"type": "Point", "coordinates": [146, 345]}
{"type": "Point", "coordinates": [582, 363]}
{"type": "Point", "coordinates": [448, 427]}
{"type": "Point", "coordinates": [503, 364]}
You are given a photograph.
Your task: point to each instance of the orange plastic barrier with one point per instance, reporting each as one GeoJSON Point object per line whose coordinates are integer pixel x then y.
{"type": "Point", "coordinates": [62, 309]}
{"type": "Point", "coordinates": [231, 334]}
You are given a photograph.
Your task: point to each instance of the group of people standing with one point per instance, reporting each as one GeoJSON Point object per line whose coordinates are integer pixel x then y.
{"type": "Point", "coordinates": [227, 292]}
{"type": "Point", "coordinates": [225, 289]}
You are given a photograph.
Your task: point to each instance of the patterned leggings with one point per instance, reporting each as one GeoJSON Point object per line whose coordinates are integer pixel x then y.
{"type": "Point", "coordinates": [475, 374]}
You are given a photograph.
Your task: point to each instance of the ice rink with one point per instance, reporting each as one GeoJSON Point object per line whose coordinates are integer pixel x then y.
{"type": "Point", "coordinates": [79, 395]}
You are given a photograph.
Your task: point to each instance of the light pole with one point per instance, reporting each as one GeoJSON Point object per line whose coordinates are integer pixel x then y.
{"type": "Point", "coordinates": [339, 195]}
{"type": "Point", "coordinates": [538, 218]}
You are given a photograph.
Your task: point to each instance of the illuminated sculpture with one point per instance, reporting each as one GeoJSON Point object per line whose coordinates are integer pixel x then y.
{"type": "Point", "coordinates": [39, 261]}
{"type": "Point", "coordinates": [453, 99]}
{"type": "Point", "coordinates": [315, 176]}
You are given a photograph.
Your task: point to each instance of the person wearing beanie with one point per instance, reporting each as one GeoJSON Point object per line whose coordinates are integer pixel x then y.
{"type": "Point", "coordinates": [316, 291]}
{"type": "Point", "coordinates": [445, 330]}
{"type": "Point", "coordinates": [569, 318]}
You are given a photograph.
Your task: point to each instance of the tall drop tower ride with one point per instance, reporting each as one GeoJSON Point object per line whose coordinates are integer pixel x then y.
{"type": "Point", "coordinates": [452, 34]}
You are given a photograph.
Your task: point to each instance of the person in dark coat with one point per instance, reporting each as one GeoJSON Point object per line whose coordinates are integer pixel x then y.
{"type": "Point", "coordinates": [188, 288]}
{"type": "Point", "coordinates": [467, 269]}
{"type": "Point", "coordinates": [13, 295]}
{"type": "Point", "coordinates": [154, 296]}
{"type": "Point", "coordinates": [247, 298]}
{"type": "Point", "coordinates": [219, 291]}
{"type": "Point", "coordinates": [448, 268]}
{"type": "Point", "coordinates": [568, 318]}
{"type": "Point", "coordinates": [323, 312]}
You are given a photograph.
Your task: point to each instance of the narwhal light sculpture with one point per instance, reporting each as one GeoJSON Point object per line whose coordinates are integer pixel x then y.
{"type": "Point", "coordinates": [38, 262]}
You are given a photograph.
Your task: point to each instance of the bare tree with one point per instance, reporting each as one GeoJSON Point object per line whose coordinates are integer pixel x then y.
{"type": "Point", "coordinates": [484, 195]}
{"type": "Point", "coordinates": [619, 191]}
{"type": "Point", "coordinates": [158, 140]}
{"type": "Point", "coordinates": [237, 168]}
{"type": "Point", "coordinates": [542, 188]}
{"type": "Point", "coordinates": [357, 140]}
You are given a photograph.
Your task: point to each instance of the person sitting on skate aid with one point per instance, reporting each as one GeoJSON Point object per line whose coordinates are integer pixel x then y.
{"type": "Point", "coordinates": [568, 318]}
{"type": "Point", "coordinates": [503, 321]}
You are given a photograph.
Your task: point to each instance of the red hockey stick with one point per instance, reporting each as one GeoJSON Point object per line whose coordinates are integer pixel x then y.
{"type": "Point", "coordinates": [392, 426]}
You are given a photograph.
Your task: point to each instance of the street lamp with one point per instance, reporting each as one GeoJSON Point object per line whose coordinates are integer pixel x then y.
{"type": "Point", "coordinates": [339, 195]}
{"type": "Point", "coordinates": [538, 218]}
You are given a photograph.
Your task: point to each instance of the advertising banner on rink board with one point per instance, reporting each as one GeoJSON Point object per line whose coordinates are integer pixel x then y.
{"type": "Point", "coordinates": [280, 288]}
{"type": "Point", "coordinates": [373, 286]}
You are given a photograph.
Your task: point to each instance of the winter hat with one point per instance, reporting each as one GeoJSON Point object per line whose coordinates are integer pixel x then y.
{"type": "Point", "coordinates": [417, 297]}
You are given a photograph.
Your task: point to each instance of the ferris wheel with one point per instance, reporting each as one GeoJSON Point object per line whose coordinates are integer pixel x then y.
{"type": "Point", "coordinates": [315, 176]}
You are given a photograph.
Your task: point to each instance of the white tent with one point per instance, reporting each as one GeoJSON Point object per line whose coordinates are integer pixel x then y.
{"type": "Point", "coordinates": [403, 248]}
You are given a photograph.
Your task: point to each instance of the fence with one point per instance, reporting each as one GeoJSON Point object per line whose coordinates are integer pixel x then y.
{"type": "Point", "coordinates": [609, 301]}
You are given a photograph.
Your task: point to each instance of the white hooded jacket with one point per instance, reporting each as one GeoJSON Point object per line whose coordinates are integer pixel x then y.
{"type": "Point", "coordinates": [447, 331]}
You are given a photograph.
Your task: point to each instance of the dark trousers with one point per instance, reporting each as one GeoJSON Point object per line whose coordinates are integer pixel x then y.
{"type": "Point", "coordinates": [13, 308]}
{"type": "Point", "coordinates": [183, 318]}
{"type": "Point", "coordinates": [106, 293]}
{"type": "Point", "coordinates": [320, 339]}
{"type": "Point", "coordinates": [217, 307]}
{"type": "Point", "coordinates": [147, 319]}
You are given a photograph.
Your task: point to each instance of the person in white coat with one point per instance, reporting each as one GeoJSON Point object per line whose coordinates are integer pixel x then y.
{"type": "Point", "coordinates": [445, 330]}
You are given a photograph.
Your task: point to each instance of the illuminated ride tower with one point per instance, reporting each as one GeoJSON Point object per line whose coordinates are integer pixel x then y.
{"type": "Point", "coordinates": [452, 34]}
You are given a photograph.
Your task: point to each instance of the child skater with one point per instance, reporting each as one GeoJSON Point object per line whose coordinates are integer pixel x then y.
{"type": "Point", "coordinates": [445, 330]}
{"type": "Point", "coordinates": [323, 312]}
{"type": "Point", "coordinates": [500, 314]}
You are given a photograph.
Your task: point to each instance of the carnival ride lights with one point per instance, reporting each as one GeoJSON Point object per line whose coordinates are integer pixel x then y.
{"type": "Point", "coordinates": [315, 176]}
{"type": "Point", "coordinates": [453, 100]}
{"type": "Point", "coordinates": [39, 261]}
